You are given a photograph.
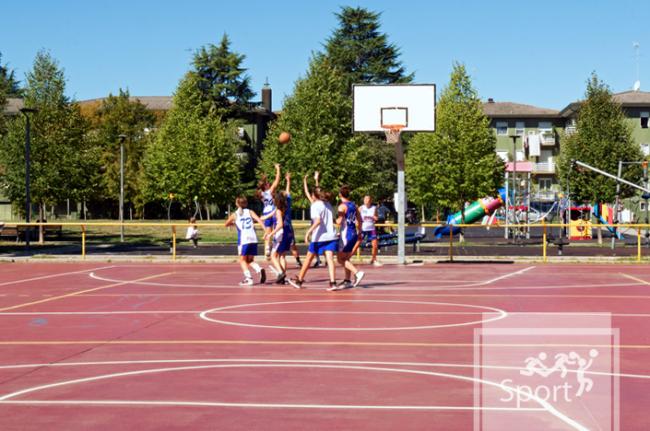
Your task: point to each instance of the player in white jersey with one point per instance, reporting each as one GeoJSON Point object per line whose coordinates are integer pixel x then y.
{"type": "Point", "coordinates": [265, 192]}
{"type": "Point", "coordinates": [243, 220]}
{"type": "Point", "coordinates": [368, 213]}
{"type": "Point", "coordinates": [323, 235]}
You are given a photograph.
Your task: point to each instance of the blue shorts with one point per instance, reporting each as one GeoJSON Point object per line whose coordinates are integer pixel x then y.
{"type": "Point", "coordinates": [247, 249]}
{"type": "Point", "coordinates": [323, 246]}
{"type": "Point", "coordinates": [269, 222]}
{"type": "Point", "coordinates": [370, 235]}
{"type": "Point", "coordinates": [347, 245]}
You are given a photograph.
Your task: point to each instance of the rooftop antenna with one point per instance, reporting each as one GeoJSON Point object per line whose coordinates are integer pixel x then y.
{"type": "Point", "coordinates": [637, 56]}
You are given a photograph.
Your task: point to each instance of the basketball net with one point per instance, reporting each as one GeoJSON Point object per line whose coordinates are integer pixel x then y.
{"type": "Point", "coordinates": [392, 132]}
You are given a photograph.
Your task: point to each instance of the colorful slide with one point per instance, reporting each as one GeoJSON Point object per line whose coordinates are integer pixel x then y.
{"type": "Point", "coordinates": [605, 213]}
{"type": "Point", "coordinates": [473, 213]}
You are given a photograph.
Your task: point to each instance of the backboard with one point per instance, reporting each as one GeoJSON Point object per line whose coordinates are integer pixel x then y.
{"type": "Point", "coordinates": [377, 107]}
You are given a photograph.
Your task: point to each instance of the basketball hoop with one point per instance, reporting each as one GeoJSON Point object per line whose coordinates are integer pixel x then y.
{"type": "Point", "coordinates": [393, 132]}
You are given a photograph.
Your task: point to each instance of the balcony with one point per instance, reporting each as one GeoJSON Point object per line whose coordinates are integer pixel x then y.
{"type": "Point", "coordinates": [544, 168]}
{"type": "Point", "coordinates": [570, 130]}
{"type": "Point", "coordinates": [543, 196]}
{"type": "Point", "coordinates": [548, 139]}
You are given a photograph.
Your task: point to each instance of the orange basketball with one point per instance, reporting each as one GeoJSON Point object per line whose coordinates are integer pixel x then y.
{"type": "Point", "coordinates": [284, 137]}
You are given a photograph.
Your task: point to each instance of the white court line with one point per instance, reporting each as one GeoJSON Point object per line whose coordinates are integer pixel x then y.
{"type": "Point", "coordinates": [382, 313]}
{"type": "Point", "coordinates": [543, 403]}
{"type": "Point", "coordinates": [469, 286]}
{"type": "Point", "coordinates": [45, 277]}
{"type": "Point", "coordinates": [266, 406]}
{"type": "Point", "coordinates": [301, 361]}
{"type": "Point", "coordinates": [511, 274]}
{"type": "Point", "coordinates": [501, 314]}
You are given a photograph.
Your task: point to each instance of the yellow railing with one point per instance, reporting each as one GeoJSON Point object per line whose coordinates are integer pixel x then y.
{"type": "Point", "coordinates": [84, 227]}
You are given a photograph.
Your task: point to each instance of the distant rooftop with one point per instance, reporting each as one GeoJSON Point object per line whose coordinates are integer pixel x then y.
{"type": "Point", "coordinates": [14, 105]}
{"type": "Point", "coordinates": [153, 103]}
{"type": "Point", "coordinates": [632, 98]}
{"type": "Point", "coordinates": [509, 109]}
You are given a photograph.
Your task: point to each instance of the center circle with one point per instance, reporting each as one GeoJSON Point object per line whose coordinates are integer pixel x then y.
{"type": "Point", "coordinates": [205, 315]}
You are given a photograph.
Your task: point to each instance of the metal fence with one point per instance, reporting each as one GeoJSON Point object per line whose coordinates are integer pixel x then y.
{"type": "Point", "coordinates": [532, 240]}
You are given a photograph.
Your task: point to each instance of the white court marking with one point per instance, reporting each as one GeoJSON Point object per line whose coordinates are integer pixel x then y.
{"type": "Point", "coordinates": [544, 404]}
{"type": "Point", "coordinates": [46, 277]}
{"type": "Point", "coordinates": [501, 314]}
{"type": "Point", "coordinates": [407, 313]}
{"type": "Point", "coordinates": [468, 285]}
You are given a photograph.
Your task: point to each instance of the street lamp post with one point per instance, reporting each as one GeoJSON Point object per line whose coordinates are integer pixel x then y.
{"type": "Point", "coordinates": [122, 139]}
{"type": "Point", "coordinates": [28, 199]}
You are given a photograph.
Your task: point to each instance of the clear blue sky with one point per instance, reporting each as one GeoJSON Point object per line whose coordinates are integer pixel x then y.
{"type": "Point", "coordinates": [539, 53]}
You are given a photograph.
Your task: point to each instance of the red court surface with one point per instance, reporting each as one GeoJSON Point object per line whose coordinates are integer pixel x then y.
{"type": "Point", "coordinates": [104, 346]}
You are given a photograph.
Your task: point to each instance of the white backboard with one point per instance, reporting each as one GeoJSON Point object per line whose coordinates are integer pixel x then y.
{"type": "Point", "coordinates": [414, 103]}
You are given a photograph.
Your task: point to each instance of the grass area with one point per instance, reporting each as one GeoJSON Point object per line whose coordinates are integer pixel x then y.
{"type": "Point", "coordinates": [151, 232]}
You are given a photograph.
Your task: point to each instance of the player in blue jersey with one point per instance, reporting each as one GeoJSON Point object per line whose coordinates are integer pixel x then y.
{"type": "Point", "coordinates": [288, 225]}
{"type": "Point", "coordinates": [265, 192]}
{"type": "Point", "coordinates": [243, 219]}
{"type": "Point", "coordinates": [280, 237]}
{"type": "Point", "coordinates": [349, 222]}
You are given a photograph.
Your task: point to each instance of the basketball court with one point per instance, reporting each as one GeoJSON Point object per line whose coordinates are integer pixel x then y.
{"type": "Point", "coordinates": [162, 346]}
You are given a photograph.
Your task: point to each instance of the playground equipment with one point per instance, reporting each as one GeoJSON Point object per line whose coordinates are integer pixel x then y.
{"type": "Point", "coordinates": [473, 213]}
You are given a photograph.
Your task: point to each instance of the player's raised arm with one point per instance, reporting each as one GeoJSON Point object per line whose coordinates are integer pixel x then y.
{"type": "Point", "coordinates": [276, 182]}
{"type": "Point", "coordinates": [287, 177]}
{"type": "Point", "coordinates": [305, 188]}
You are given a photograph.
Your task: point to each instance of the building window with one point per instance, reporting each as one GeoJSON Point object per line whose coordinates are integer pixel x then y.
{"type": "Point", "coordinates": [644, 119]}
{"type": "Point", "coordinates": [502, 128]}
{"type": "Point", "coordinates": [545, 184]}
{"type": "Point", "coordinates": [545, 126]}
{"type": "Point", "coordinates": [520, 126]}
{"type": "Point", "coordinates": [642, 206]}
{"type": "Point", "coordinates": [503, 155]}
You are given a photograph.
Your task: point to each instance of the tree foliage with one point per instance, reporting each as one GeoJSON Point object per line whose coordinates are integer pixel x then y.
{"type": "Point", "coordinates": [362, 52]}
{"type": "Point", "coordinates": [601, 140]}
{"type": "Point", "coordinates": [9, 85]}
{"type": "Point", "coordinates": [193, 155]}
{"type": "Point", "coordinates": [61, 156]}
{"type": "Point", "coordinates": [219, 80]}
{"type": "Point", "coordinates": [318, 116]}
{"type": "Point", "coordinates": [458, 162]}
{"type": "Point", "coordinates": [119, 115]}
{"type": "Point", "coordinates": [318, 113]}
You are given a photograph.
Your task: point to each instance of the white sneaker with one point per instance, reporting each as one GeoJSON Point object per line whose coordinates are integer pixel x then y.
{"type": "Point", "coordinates": [377, 263]}
{"type": "Point", "coordinates": [357, 278]}
{"type": "Point", "coordinates": [246, 282]}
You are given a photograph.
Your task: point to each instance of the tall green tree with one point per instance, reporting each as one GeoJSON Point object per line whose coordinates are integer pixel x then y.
{"type": "Point", "coordinates": [601, 140]}
{"type": "Point", "coordinates": [192, 156]}
{"type": "Point", "coordinates": [119, 115]}
{"type": "Point", "coordinates": [318, 117]}
{"type": "Point", "coordinates": [220, 80]}
{"type": "Point", "coordinates": [9, 85]}
{"type": "Point", "coordinates": [61, 155]}
{"type": "Point", "coordinates": [318, 113]}
{"type": "Point", "coordinates": [362, 51]}
{"type": "Point", "coordinates": [458, 162]}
